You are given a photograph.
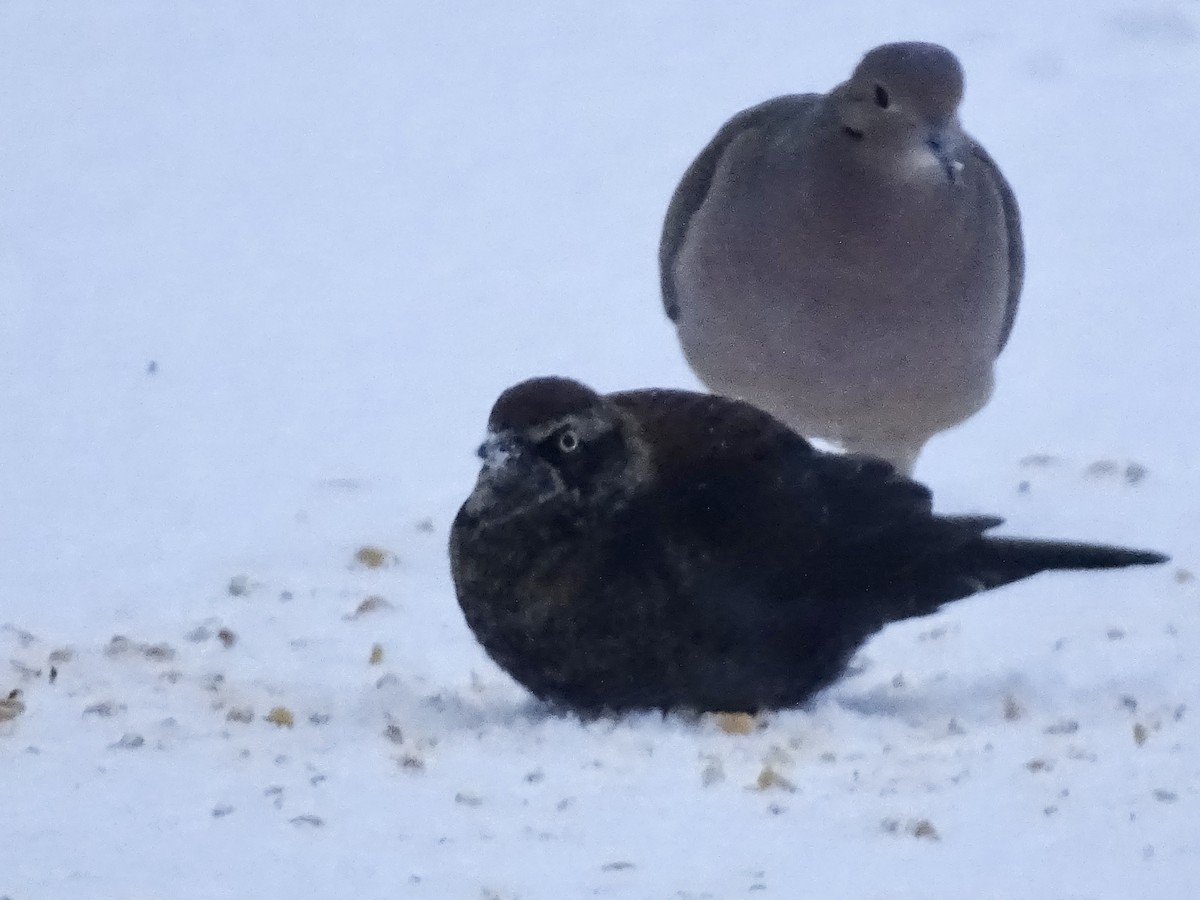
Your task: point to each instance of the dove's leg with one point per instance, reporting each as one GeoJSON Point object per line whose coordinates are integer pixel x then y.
{"type": "Point", "coordinates": [902, 453]}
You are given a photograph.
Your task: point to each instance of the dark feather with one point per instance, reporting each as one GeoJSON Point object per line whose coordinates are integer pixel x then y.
{"type": "Point", "coordinates": [718, 561]}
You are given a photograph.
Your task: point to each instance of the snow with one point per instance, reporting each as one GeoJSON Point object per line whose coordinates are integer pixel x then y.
{"type": "Point", "coordinates": [263, 269]}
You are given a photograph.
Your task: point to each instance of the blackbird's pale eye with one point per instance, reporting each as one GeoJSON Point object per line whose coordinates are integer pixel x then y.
{"type": "Point", "coordinates": [568, 441]}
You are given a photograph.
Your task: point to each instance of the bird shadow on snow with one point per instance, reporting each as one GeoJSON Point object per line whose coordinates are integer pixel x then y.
{"type": "Point", "coordinates": [448, 712]}
{"type": "Point", "coordinates": [502, 707]}
{"type": "Point", "coordinates": [941, 700]}
{"type": "Point", "coordinates": [474, 708]}
{"type": "Point", "coordinates": [487, 704]}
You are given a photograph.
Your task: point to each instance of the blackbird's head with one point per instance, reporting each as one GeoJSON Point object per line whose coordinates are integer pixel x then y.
{"type": "Point", "coordinates": [555, 444]}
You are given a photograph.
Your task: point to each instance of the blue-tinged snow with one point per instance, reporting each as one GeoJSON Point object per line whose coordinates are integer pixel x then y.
{"type": "Point", "coordinates": [264, 268]}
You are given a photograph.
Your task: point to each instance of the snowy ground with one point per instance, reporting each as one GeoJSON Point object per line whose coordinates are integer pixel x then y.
{"type": "Point", "coordinates": [264, 267]}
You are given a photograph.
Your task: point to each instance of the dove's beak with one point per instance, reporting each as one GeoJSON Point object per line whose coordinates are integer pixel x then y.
{"type": "Point", "coordinates": [946, 149]}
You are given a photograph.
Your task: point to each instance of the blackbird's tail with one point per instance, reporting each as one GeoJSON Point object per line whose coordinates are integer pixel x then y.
{"type": "Point", "coordinates": [990, 562]}
{"type": "Point", "coordinates": [1014, 558]}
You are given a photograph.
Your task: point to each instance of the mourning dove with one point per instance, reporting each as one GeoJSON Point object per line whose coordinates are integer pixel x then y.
{"type": "Point", "coordinates": [850, 262]}
{"type": "Point", "coordinates": [656, 549]}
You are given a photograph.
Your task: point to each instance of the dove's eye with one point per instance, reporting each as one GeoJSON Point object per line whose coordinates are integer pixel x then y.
{"type": "Point", "coordinates": [881, 97]}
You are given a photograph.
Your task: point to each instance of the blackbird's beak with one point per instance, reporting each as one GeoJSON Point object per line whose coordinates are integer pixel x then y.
{"type": "Point", "coordinates": [496, 449]}
{"type": "Point", "coordinates": [512, 476]}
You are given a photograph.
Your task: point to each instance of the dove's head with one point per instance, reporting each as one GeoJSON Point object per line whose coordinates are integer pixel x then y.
{"type": "Point", "coordinates": [901, 106]}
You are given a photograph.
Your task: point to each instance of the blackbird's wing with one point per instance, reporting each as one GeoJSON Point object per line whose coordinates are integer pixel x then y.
{"type": "Point", "coordinates": [776, 561]}
{"type": "Point", "coordinates": [758, 525]}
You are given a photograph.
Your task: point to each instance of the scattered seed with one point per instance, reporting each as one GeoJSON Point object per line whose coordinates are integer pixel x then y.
{"type": "Point", "coordinates": [226, 637]}
{"type": "Point", "coordinates": [1165, 796]}
{"type": "Point", "coordinates": [918, 828]}
{"type": "Point", "coordinates": [1012, 709]}
{"type": "Point", "coordinates": [468, 799]}
{"type": "Point", "coordinates": [239, 586]}
{"type": "Point", "coordinates": [128, 741]}
{"type": "Point", "coordinates": [1140, 733]}
{"type": "Point", "coordinates": [924, 829]}
{"type": "Point", "coordinates": [373, 557]}
{"type": "Point", "coordinates": [242, 714]}
{"type": "Point", "coordinates": [371, 604]}
{"type": "Point", "coordinates": [281, 717]}
{"type": "Point", "coordinates": [157, 652]}
{"type": "Point", "coordinates": [412, 763]}
{"type": "Point", "coordinates": [1066, 726]}
{"type": "Point", "coordinates": [118, 645]}
{"type": "Point", "coordinates": [1101, 468]}
{"type": "Point", "coordinates": [735, 722]}
{"type": "Point", "coordinates": [11, 706]}
{"type": "Point", "coordinates": [1135, 472]}
{"type": "Point", "coordinates": [769, 779]}
{"type": "Point", "coordinates": [308, 820]}
{"type": "Point", "coordinates": [376, 655]}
